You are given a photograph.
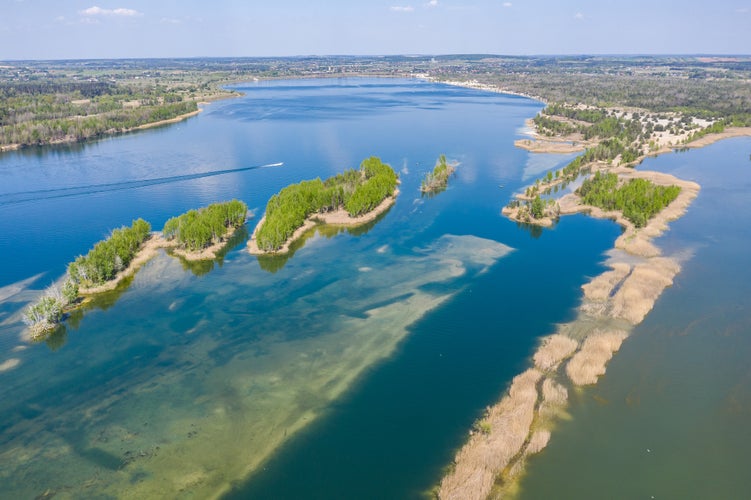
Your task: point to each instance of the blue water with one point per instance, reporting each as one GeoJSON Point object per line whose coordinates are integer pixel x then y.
{"type": "Point", "coordinates": [670, 418]}
{"type": "Point", "coordinates": [353, 368]}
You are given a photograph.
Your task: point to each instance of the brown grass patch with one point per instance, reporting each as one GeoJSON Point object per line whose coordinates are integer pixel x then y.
{"type": "Point", "coordinates": [601, 287]}
{"type": "Point", "coordinates": [553, 393]}
{"type": "Point", "coordinates": [537, 442]}
{"type": "Point", "coordinates": [484, 456]}
{"type": "Point", "coordinates": [553, 350]}
{"type": "Point", "coordinates": [588, 364]}
{"type": "Point", "coordinates": [641, 289]}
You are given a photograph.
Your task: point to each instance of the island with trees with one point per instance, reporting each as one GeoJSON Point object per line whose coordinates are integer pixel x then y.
{"type": "Point", "coordinates": [351, 198]}
{"type": "Point", "coordinates": [195, 235]}
{"type": "Point", "coordinates": [200, 234]}
{"type": "Point", "coordinates": [437, 180]}
{"type": "Point", "coordinates": [103, 264]}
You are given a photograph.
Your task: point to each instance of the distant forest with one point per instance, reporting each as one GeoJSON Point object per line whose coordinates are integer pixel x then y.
{"type": "Point", "coordinates": [43, 102]}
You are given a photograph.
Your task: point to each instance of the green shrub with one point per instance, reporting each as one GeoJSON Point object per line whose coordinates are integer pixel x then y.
{"type": "Point", "coordinates": [110, 256]}
{"type": "Point", "coordinates": [198, 229]}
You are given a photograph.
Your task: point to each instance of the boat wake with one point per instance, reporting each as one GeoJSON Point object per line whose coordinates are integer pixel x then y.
{"type": "Point", "coordinates": [46, 194]}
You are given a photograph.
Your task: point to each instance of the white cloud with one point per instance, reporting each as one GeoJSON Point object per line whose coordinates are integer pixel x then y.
{"type": "Point", "coordinates": [98, 11]}
{"type": "Point", "coordinates": [578, 16]}
{"type": "Point", "coordinates": [432, 3]}
{"type": "Point", "coordinates": [398, 8]}
{"type": "Point", "coordinates": [507, 4]}
{"type": "Point", "coordinates": [167, 20]}
{"type": "Point", "coordinates": [742, 10]}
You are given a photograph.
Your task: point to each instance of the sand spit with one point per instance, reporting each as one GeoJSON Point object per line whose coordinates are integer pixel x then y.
{"type": "Point", "coordinates": [712, 138]}
{"type": "Point", "coordinates": [549, 146]}
{"type": "Point", "coordinates": [337, 218]}
{"type": "Point", "coordinates": [164, 122]}
{"type": "Point", "coordinates": [588, 364]}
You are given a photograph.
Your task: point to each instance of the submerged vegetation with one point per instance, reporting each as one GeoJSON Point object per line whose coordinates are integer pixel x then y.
{"type": "Point", "coordinates": [638, 199]}
{"type": "Point", "coordinates": [198, 229]}
{"type": "Point", "coordinates": [438, 179]}
{"type": "Point", "coordinates": [357, 191]}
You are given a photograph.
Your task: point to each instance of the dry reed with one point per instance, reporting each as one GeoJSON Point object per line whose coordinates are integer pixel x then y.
{"type": "Point", "coordinates": [553, 350]}
{"type": "Point", "coordinates": [484, 456]}
{"type": "Point", "coordinates": [589, 363]}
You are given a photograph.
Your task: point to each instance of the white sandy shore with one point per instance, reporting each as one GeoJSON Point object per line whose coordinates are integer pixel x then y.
{"type": "Point", "coordinates": [338, 217]}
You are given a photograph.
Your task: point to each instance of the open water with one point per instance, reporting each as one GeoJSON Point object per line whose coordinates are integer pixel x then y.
{"type": "Point", "coordinates": [351, 369]}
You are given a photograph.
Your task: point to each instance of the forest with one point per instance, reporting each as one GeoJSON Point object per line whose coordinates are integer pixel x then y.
{"type": "Point", "coordinates": [43, 102]}
{"type": "Point", "coordinates": [357, 191]}
{"type": "Point", "coordinates": [198, 229]}
{"type": "Point", "coordinates": [638, 199]}
{"type": "Point", "coordinates": [41, 113]}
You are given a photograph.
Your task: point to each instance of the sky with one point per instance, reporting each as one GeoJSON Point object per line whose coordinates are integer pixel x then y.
{"type": "Point", "coordinates": [73, 29]}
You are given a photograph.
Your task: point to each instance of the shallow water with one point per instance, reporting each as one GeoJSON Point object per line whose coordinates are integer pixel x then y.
{"type": "Point", "coordinates": [670, 418]}
{"type": "Point", "coordinates": [351, 369]}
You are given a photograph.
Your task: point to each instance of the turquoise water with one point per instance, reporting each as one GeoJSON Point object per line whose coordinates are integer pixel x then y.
{"type": "Point", "coordinates": [670, 418]}
{"type": "Point", "coordinates": [351, 369]}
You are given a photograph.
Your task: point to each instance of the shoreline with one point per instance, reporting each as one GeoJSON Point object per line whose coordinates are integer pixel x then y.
{"type": "Point", "coordinates": [149, 250]}
{"type": "Point", "coordinates": [145, 126]}
{"type": "Point", "coordinates": [576, 354]}
{"type": "Point", "coordinates": [338, 217]}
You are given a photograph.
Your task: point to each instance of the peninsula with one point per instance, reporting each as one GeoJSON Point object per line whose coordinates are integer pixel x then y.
{"type": "Point", "coordinates": [576, 354]}
{"type": "Point", "coordinates": [352, 198]}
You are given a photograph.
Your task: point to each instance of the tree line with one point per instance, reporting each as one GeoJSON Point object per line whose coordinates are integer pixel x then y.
{"type": "Point", "coordinates": [48, 111]}
{"type": "Point", "coordinates": [357, 191]}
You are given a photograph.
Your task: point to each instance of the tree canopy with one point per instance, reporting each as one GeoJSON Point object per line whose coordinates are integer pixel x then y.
{"type": "Point", "coordinates": [357, 191]}
{"type": "Point", "coordinates": [198, 229]}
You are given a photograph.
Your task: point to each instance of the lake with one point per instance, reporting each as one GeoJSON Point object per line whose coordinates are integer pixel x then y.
{"type": "Point", "coordinates": [352, 368]}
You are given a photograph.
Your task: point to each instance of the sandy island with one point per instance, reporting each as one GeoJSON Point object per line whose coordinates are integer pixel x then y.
{"type": "Point", "coordinates": [338, 217]}
{"type": "Point", "coordinates": [576, 355]}
{"type": "Point", "coordinates": [150, 249]}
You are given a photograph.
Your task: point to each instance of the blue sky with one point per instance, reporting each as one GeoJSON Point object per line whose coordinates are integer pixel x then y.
{"type": "Point", "coordinates": [62, 29]}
